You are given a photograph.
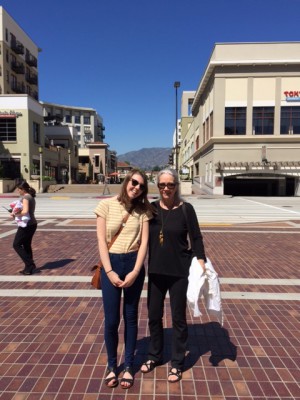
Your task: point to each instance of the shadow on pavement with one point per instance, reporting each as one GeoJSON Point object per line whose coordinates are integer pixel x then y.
{"type": "Point", "coordinates": [209, 337]}
{"type": "Point", "coordinates": [203, 338]}
{"type": "Point", "coordinates": [55, 264]}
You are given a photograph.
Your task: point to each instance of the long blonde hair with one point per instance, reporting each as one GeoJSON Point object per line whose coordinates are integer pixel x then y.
{"type": "Point", "coordinates": [141, 202]}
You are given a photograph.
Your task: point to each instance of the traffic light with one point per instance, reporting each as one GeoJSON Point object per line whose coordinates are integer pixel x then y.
{"type": "Point", "coordinates": [170, 159]}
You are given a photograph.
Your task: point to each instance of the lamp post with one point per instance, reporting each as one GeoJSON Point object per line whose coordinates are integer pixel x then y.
{"type": "Point", "coordinates": [70, 177]}
{"type": "Point", "coordinates": [176, 86]}
{"type": "Point", "coordinates": [41, 169]}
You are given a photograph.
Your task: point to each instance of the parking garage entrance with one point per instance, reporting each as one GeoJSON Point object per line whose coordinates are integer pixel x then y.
{"type": "Point", "coordinates": [260, 185]}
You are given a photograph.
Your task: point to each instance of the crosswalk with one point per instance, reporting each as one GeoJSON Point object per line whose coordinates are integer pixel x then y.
{"type": "Point", "coordinates": [214, 210]}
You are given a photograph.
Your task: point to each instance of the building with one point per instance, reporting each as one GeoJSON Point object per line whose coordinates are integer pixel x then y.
{"type": "Point", "coordinates": [246, 121]}
{"type": "Point", "coordinates": [40, 140]}
{"type": "Point", "coordinates": [95, 159]}
{"type": "Point", "coordinates": [25, 151]}
{"type": "Point", "coordinates": [18, 59]}
{"type": "Point", "coordinates": [187, 144]}
{"type": "Point", "coordinates": [87, 121]}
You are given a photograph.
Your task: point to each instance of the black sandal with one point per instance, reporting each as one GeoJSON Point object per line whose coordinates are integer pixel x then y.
{"type": "Point", "coordinates": [175, 372]}
{"type": "Point", "coordinates": [114, 378]}
{"type": "Point", "coordinates": [127, 381]}
{"type": "Point", "coordinates": [150, 365]}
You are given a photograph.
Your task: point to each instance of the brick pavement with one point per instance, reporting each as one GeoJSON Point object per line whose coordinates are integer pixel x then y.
{"type": "Point", "coordinates": [51, 341]}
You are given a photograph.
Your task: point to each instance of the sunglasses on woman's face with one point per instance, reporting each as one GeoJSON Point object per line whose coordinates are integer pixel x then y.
{"type": "Point", "coordinates": [135, 183]}
{"type": "Point", "coordinates": [169, 185]}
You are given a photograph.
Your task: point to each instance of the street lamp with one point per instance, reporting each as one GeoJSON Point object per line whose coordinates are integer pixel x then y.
{"type": "Point", "coordinates": [70, 177]}
{"type": "Point", "coordinates": [41, 169]}
{"type": "Point", "coordinates": [176, 86]}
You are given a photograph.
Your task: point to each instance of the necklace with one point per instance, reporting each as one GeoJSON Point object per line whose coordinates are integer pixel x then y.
{"type": "Point", "coordinates": [163, 222]}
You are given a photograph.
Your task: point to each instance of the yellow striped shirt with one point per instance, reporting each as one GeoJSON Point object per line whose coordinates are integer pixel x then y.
{"type": "Point", "coordinates": [113, 212]}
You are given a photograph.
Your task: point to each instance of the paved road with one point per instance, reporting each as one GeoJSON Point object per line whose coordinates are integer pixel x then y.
{"type": "Point", "coordinates": [210, 210]}
{"type": "Point", "coordinates": [51, 323]}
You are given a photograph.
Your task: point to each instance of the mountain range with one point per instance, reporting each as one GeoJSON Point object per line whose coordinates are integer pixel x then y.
{"type": "Point", "coordinates": [147, 158]}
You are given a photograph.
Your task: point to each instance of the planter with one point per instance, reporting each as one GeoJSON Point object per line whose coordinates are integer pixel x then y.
{"type": "Point", "coordinates": [186, 187]}
{"type": "Point", "coordinates": [35, 177]}
{"type": "Point", "coordinates": [7, 185]}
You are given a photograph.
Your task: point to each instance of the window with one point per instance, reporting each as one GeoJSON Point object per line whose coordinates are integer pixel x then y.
{"type": "Point", "coordinates": [36, 133]}
{"type": "Point", "coordinates": [6, 34]}
{"type": "Point", "coordinates": [263, 120]}
{"type": "Point", "coordinates": [13, 81]}
{"type": "Point", "coordinates": [211, 124]}
{"type": "Point", "coordinates": [8, 129]}
{"type": "Point", "coordinates": [87, 120]}
{"type": "Point", "coordinates": [290, 121]}
{"type": "Point", "coordinates": [77, 119]}
{"type": "Point", "coordinates": [235, 121]}
{"type": "Point", "coordinates": [190, 103]}
{"type": "Point", "coordinates": [68, 118]}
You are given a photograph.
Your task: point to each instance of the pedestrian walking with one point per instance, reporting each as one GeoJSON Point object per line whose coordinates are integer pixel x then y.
{"type": "Point", "coordinates": [123, 268]}
{"type": "Point", "coordinates": [168, 268]}
{"type": "Point", "coordinates": [24, 235]}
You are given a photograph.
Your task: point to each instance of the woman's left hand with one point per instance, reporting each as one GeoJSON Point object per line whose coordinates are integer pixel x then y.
{"type": "Point", "coordinates": [129, 279]}
{"type": "Point", "coordinates": [202, 264]}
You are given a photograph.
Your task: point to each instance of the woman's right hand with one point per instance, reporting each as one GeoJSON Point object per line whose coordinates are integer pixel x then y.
{"type": "Point", "coordinates": [114, 279]}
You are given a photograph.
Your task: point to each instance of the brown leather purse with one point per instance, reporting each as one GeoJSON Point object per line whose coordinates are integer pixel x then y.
{"type": "Point", "coordinates": [96, 279]}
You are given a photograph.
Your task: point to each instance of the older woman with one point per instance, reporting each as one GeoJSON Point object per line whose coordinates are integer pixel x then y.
{"type": "Point", "coordinates": [169, 262]}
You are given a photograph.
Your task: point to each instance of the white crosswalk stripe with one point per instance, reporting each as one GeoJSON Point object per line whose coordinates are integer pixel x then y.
{"type": "Point", "coordinates": [222, 210]}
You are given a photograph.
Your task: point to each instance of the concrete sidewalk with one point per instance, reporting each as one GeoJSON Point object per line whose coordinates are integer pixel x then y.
{"type": "Point", "coordinates": [51, 323]}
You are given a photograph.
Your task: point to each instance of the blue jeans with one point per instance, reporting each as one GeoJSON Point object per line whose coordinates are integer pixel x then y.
{"type": "Point", "coordinates": [122, 264]}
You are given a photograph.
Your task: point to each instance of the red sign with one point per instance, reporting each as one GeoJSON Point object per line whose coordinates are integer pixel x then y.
{"type": "Point", "coordinates": [292, 93]}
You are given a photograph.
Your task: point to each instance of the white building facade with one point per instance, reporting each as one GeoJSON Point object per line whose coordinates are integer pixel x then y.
{"type": "Point", "coordinates": [246, 121]}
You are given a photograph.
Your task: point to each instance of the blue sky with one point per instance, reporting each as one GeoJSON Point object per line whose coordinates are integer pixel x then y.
{"type": "Point", "coordinates": [122, 57]}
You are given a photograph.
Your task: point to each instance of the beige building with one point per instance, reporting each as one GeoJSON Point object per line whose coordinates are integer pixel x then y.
{"type": "Point", "coordinates": [18, 59]}
{"type": "Point", "coordinates": [246, 121]}
{"type": "Point", "coordinates": [87, 121]}
{"type": "Point", "coordinates": [25, 151]}
{"type": "Point", "coordinates": [40, 140]}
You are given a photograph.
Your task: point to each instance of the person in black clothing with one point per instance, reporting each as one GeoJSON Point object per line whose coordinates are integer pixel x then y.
{"type": "Point", "coordinates": [23, 238]}
{"type": "Point", "coordinates": [168, 268]}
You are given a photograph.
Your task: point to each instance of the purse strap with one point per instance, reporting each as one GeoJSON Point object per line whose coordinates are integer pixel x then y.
{"type": "Point", "coordinates": [119, 231]}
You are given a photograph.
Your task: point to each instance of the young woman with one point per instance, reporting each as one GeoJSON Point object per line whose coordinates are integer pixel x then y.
{"type": "Point", "coordinates": [168, 267]}
{"type": "Point", "coordinates": [23, 238]}
{"type": "Point", "coordinates": [123, 268]}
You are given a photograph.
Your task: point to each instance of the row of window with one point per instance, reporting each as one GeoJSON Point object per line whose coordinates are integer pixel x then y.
{"type": "Point", "coordinates": [262, 120]}
{"type": "Point", "coordinates": [86, 120]}
{"type": "Point", "coordinates": [8, 130]}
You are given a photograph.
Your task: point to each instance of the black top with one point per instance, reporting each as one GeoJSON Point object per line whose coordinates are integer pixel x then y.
{"type": "Point", "coordinates": [173, 257]}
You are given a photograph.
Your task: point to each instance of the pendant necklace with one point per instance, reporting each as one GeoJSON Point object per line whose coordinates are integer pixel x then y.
{"type": "Point", "coordinates": [163, 222]}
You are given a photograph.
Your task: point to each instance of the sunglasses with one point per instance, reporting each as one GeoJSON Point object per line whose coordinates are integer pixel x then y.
{"type": "Point", "coordinates": [134, 183]}
{"type": "Point", "coordinates": [169, 185]}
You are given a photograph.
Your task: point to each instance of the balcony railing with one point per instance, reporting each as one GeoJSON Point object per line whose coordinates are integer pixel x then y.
{"type": "Point", "coordinates": [18, 67]}
{"type": "Point", "coordinates": [31, 60]}
{"type": "Point", "coordinates": [17, 47]}
{"type": "Point", "coordinates": [32, 79]}
{"type": "Point", "coordinates": [35, 95]}
{"type": "Point", "coordinates": [18, 87]}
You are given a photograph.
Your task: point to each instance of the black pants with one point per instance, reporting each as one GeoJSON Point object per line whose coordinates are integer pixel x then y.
{"type": "Point", "coordinates": [22, 244]}
{"type": "Point", "coordinates": [158, 286]}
